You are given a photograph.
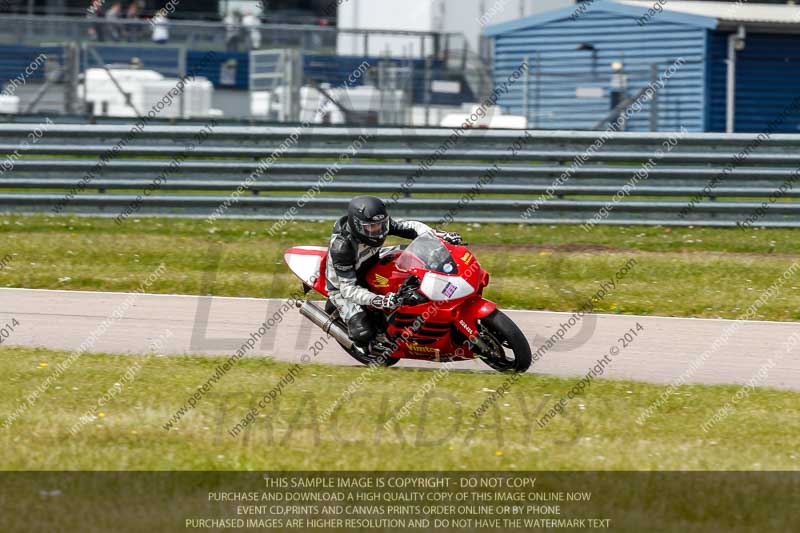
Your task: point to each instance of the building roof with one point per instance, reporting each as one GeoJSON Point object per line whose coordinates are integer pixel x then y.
{"type": "Point", "coordinates": [739, 12]}
{"type": "Point", "coordinates": [705, 14]}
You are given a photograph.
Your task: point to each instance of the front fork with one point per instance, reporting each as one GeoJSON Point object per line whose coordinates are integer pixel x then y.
{"type": "Point", "coordinates": [469, 313]}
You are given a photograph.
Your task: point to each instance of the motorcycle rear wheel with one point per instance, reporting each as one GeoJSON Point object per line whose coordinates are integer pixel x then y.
{"type": "Point", "coordinates": [502, 335]}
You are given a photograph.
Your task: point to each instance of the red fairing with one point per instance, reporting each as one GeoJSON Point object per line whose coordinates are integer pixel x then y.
{"type": "Point", "coordinates": [477, 307]}
{"type": "Point", "coordinates": [384, 277]}
{"type": "Point", "coordinates": [471, 311]}
{"type": "Point", "coordinates": [308, 264]}
{"type": "Point", "coordinates": [468, 266]}
{"type": "Point", "coordinates": [451, 284]}
{"type": "Point", "coordinates": [426, 331]}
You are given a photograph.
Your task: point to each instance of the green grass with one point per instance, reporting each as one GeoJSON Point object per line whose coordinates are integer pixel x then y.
{"type": "Point", "coordinates": [598, 431]}
{"type": "Point", "coordinates": [700, 272]}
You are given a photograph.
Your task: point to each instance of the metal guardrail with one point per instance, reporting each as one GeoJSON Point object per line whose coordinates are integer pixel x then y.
{"type": "Point", "coordinates": [38, 175]}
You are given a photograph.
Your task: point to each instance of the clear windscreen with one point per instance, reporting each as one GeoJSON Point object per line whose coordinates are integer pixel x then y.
{"type": "Point", "coordinates": [427, 252]}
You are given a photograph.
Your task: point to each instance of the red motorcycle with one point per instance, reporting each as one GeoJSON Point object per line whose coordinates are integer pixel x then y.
{"type": "Point", "coordinates": [442, 315]}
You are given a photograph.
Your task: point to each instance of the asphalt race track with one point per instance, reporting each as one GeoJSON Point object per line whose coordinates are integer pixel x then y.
{"type": "Point", "coordinates": [662, 352]}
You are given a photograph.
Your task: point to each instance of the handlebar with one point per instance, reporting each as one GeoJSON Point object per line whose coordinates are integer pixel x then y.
{"type": "Point", "coordinates": [409, 290]}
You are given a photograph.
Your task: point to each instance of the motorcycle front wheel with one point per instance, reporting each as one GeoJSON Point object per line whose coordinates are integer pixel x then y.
{"type": "Point", "coordinates": [502, 336]}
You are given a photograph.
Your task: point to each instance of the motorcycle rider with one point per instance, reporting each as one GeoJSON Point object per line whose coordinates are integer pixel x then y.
{"type": "Point", "coordinates": [355, 244]}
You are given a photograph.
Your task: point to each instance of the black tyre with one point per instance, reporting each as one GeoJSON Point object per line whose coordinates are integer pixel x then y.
{"type": "Point", "coordinates": [509, 349]}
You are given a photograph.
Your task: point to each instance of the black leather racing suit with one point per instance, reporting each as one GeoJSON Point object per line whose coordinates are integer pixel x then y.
{"type": "Point", "coordinates": [348, 261]}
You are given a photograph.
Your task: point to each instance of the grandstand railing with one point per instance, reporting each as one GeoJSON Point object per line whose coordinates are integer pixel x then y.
{"type": "Point", "coordinates": [24, 29]}
{"type": "Point", "coordinates": [479, 175]}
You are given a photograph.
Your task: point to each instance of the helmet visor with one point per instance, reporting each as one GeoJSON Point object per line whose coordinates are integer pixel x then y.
{"type": "Point", "coordinates": [374, 229]}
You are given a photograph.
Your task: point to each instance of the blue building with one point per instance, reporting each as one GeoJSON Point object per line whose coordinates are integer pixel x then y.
{"type": "Point", "coordinates": [717, 66]}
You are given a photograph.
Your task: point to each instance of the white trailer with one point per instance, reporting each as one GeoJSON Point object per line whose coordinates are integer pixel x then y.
{"type": "Point", "coordinates": [146, 88]}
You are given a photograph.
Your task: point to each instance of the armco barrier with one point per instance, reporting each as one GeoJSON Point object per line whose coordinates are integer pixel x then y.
{"type": "Point", "coordinates": [39, 176]}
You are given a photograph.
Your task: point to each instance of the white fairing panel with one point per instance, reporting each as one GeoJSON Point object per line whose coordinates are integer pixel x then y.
{"type": "Point", "coordinates": [439, 287]}
{"type": "Point", "coordinates": [306, 265]}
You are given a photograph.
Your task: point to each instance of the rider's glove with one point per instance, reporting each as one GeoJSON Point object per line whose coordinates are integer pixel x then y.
{"type": "Point", "coordinates": [389, 301]}
{"type": "Point", "coordinates": [451, 237]}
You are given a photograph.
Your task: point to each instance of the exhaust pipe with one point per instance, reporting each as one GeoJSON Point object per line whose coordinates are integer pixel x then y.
{"type": "Point", "coordinates": [325, 322]}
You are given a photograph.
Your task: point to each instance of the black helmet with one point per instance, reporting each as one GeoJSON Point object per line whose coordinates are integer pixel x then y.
{"type": "Point", "coordinates": [368, 220]}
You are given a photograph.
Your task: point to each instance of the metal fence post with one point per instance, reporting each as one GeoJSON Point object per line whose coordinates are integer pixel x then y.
{"type": "Point", "coordinates": [382, 84]}
{"type": "Point", "coordinates": [538, 99]}
{"type": "Point", "coordinates": [654, 101]}
{"type": "Point", "coordinates": [526, 88]}
{"type": "Point", "coordinates": [427, 96]}
{"type": "Point", "coordinates": [83, 66]}
{"type": "Point", "coordinates": [730, 86]}
{"type": "Point", "coordinates": [182, 60]}
{"type": "Point", "coordinates": [72, 71]}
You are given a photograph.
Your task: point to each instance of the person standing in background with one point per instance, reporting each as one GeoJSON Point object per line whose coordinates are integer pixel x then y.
{"type": "Point", "coordinates": [160, 24]}
{"type": "Point", "coordinates": [233, 30]}
{"type": "Point", "coordinates": [132, 16]}
{"type": "Point", "coordinates": [113, 15]}
{"type": "Point", "coordinates": [251, 24]}
{"type": "Point", "coordinates": [94, 13]}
